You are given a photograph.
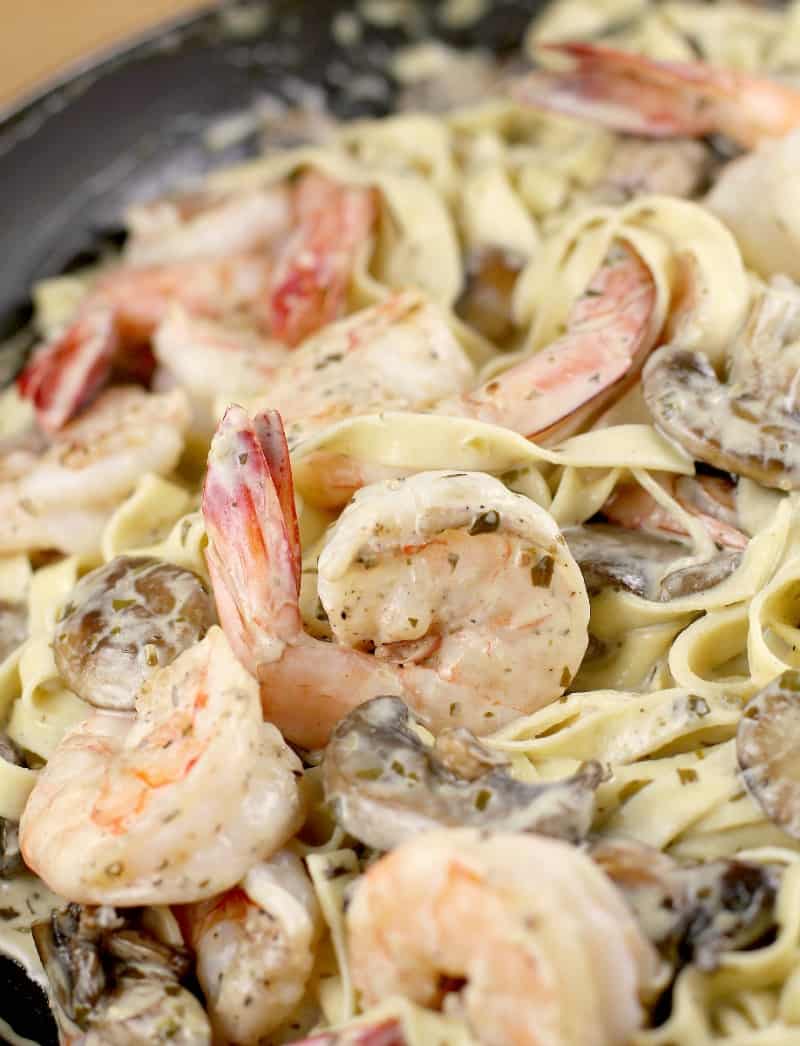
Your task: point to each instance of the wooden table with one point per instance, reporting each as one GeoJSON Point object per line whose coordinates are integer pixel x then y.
{"type": "Point", "coordinates": [41, 38]}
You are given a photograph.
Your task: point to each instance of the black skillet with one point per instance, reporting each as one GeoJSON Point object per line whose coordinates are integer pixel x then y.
{"type": "Point", "coordinates": [129, 126]}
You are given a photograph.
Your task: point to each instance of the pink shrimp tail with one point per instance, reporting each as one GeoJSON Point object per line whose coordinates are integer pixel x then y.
{"type": "Point", "coordinates": [63, 376]}
{"type": "Point", "coordinates": [629, 92]}
{"type": "Point", "coordinates": [253, 546]}
{"type": "Point", "coordinates": [309, 285]}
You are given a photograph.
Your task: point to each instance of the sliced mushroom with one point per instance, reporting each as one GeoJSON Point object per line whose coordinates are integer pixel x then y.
{"type": "Point", "coordinates": [385, 784]}
{"type": "Point", "coordinates": [485, 302]}
{"type": "Point", "coordinates": [692, 912]}
{"type": "Point", "coordinates": [700, 577]}
{"type": "Point", "coordinates": [768, 748]}
{"type": "Point", "coordinates": [13, 626]}
{"type": "Point", "coordinates": [124, 621]}
{"type": "Point", "coordinates": [115, 983]}
{"type": "Point", "coordinates": [750, 424]}
{"type": "Point", "coordinates": [614, 557]}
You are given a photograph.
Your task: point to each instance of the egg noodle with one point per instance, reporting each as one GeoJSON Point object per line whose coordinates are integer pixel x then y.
{"type": "Point", "coordinates": [659, 696]}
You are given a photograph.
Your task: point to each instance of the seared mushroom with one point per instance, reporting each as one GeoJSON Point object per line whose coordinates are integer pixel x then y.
{"type": "Point", "coordinates": [113, 982]}
{"type": "Point", "coordinates": [13, 626]}
{"type": "Point", "coordinates": [768, 747]}
{"type": "Point", "coordinates": [385, 785]}
{"type": "Point", "coordinates": [749, 424]}
{"type": "Point", "coordinates": [700, 577]}
{"type": "Point", "coordinates": [691, 912]}
{"type": "Point", "coordinates": [614, 557]}
{"type": "Point", "coordinates": [124, 621]}
{"type": "Point", "coordinates": [485, 302]}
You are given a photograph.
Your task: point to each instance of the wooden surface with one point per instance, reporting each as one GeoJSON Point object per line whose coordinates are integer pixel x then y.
{"type": "Point", "coordinates": [40, 38]}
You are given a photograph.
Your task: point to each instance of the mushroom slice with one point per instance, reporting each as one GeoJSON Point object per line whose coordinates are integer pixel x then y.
{"type": "Point", "coordinates": [675, 168]}
{"type": "Point", "coordinates": [768, 748]}
{"type": "Point", "coordinates": [749, 424]}
{"type": "Point", "coordinates": [615, 557]}
{"type": "Point", "coordinates": [700, 577]}
{"type": "Point", "coordinates": [691, 912]}
{"type": "Point", "coordinates": [124, 621]}
{"type": "Point", "coordinates": [114, 982]}
{"type": "Point", "coordinates": [385, 784]}
{"type": "Point", "coordinates": [485, 302]}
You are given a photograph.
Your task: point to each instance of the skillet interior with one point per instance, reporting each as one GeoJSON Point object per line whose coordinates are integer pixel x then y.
{"type": "Point", "coordinates": [129, 126]}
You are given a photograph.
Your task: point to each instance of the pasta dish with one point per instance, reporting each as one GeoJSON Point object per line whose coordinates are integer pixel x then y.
{"type": "Point", "coordinates": [400, 569]}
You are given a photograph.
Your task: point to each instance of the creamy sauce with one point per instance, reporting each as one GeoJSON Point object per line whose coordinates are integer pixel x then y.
{"type": "Point", "coordinates": [24, 900]}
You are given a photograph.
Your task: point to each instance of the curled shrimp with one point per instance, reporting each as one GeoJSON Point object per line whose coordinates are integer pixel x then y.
{"type": "Point", "coordinates": [399, 353]}
{"type": "Point", "coordinates": [535, 943]}
{"type": "Point", "coordinates": [610, 330]}
{"type": "Point", "coordinates": [171, 806]}
{"type": "Point", "coordinates": [61, 497]}
{"type": "Point", "coordinates": [639, 95]}
{"type": "Point", "coordinates": [255, 948]}
{"type": "Point", "coordinates": [445, 589]}
{"type": "Point", "coordinates": [119, 315]}
{"type": "Point", "coordinates": [287, 287]}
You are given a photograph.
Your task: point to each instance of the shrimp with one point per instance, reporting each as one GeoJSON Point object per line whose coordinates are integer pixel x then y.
{"type": "Point", "coordinates": [639, 95]}
{"type": "Point", "coordinates": [309, 287]}
{"type": "Point", "coordinates": [120, 314]}
{"type": "Point", "coordinates": [610, 331]}
{"type": "Point", "coordinates": [399, 353]}
{"type": "Point", "coordinates": [534, 943]}
{"type": "Point", "coordinates": [710, 499]}
{"type": "Point", "coordinates": [545, 397]}
{"type": "Point", "coordinates": [61, 497]}
{"type": "Point", "coordinates": [209, 359]}
{"type": "Point", "coordinates": [285, 286]}
{"type": "Point", "coordinates": [444, 589]}
{"type": "Point", "coordinates": [172, 805]}
{"type": "Point", "coordinates": [205, 224]}
{"type": "Point", "coordinates": [255, 948]}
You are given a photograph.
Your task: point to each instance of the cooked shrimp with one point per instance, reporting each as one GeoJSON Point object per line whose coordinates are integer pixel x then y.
{"type": "Point", "coordinates": [289, 291]}
{"type": "Point", "coordinates": [123, 622]}
{"type": "Point", "coordinates": [205, 224]}
{"type": "Point", "coordinates": [398, 354]}
{"type": "Point", "coordinates": [120, 314]}
{"type": "Point", "coordinates": [534, 941]}
{"type": "Point", "coordinates": [639, 95]}
{"type": "Point", "coordinates": [385, 1033]}
{"type": "Point", "coordinates": [255, 948]}
{"type": "Point", "coordinates": [749, 423]}
{"type": "Point", "coordinates": [171, 806]}
{"type": "Point", "coordinates": [61, 497]}
{"type": "Point", "coordinates": [610, 330]}
{"type": "Point", "coordinates": [445, 589]}
{"type": "Point", "coordinates": [710, 499]}
{"type": "Point", "coordinates": [333, 225]}
{"type": "Point", "coordinates": [209, 359]}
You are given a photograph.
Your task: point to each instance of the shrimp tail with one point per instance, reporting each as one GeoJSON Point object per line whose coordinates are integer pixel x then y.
{"type": "Point", "coordinates": [63, 376]}
{"type": "Point", "coordinates": [628, 92]}
{"type": "Point", "coordinates": [310, 283]}
{"type": "Point", "coordinates": [253, 553]}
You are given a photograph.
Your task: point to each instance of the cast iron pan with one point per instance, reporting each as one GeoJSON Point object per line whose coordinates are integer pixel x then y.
{"type": "Point", "coordinates": [129, 126]}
